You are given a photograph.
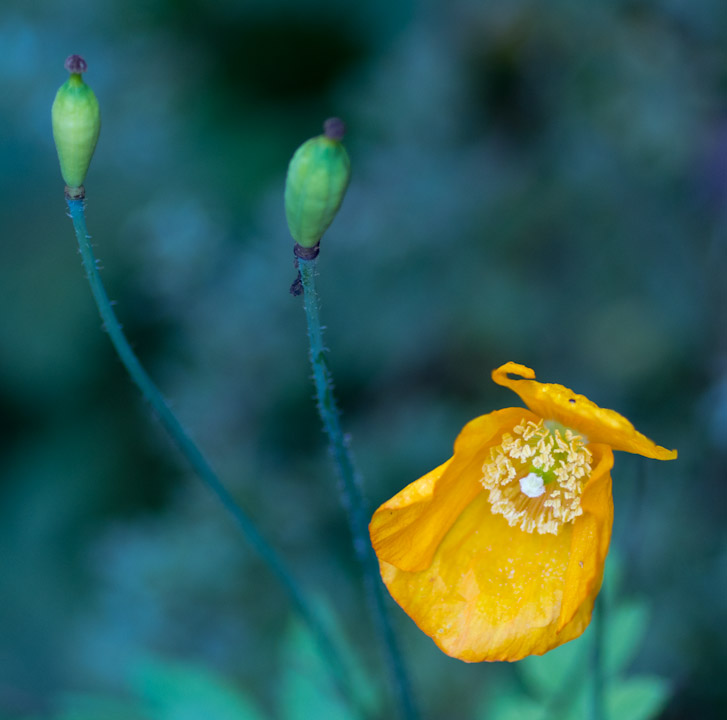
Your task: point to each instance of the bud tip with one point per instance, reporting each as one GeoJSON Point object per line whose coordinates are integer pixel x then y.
{"type": "Point", "coordinates": [334, 128]}
{"type": "Point", "coordinates": [75, 64]}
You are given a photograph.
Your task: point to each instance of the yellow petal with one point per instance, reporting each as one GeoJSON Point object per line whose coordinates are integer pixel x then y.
{"type": "Point", "coordinates": [494, 592]}
{"type": "Point", "coordinates": [598, 425]}
{"type": "Point", "coordinates": [406, 530]}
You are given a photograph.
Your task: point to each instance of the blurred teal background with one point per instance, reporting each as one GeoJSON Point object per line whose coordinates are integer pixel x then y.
{"type": "Point", "coordinates": [537, 182]}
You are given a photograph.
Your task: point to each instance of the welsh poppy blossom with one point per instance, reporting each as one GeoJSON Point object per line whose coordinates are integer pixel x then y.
{"type": "Point", "coordinates": [499, 553]}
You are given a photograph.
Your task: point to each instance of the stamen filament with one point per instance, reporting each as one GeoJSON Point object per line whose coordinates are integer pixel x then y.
{"type": "Point", "coordinates": [551, 465]}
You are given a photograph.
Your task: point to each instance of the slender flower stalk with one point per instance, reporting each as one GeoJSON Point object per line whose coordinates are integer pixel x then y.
{"type": "Point", "coordinates": [597, 670]}
{"type": "Point", "coordinates": [193, 454]}
{"type": "Point", "coordinates": [350, 483]}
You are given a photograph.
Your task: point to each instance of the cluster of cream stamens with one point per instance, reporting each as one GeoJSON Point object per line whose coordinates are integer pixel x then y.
{"type": "Point", "coordinates": [535, 477]}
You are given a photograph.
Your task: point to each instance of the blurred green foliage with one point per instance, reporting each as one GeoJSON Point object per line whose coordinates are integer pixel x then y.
{"type": "Point", "coordinates": [538, 182]}
{"type": "Point", "coordinates": [559, 685]}
{"type": "Point", "coordinates": [159, 689]}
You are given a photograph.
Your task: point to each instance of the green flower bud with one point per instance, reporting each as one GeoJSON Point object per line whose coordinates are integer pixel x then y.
{"type": "Point", "coordinates": [76, 124]}
{"type": "Point", "coordinates": [317, 179]}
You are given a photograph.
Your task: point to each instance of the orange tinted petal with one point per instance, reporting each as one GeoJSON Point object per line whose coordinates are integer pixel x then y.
{"type": "Point", "coordinates": [556, 402]}
{"type": "Point", "coordinates": [492, 592]}
{"type": "Point", "coordinates": [406, 530]}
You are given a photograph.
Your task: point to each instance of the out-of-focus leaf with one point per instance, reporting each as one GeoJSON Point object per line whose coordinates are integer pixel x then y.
{"type": "Point", "coordinates": [306, 687]}
{"type": "Point", "coordinates": [175, 691]}
{"type": "Point", "coordinates": [547, 675]}
{"type": "Point", "coordinates": [512, 707]}
{"type": "Point", "coordinates": [625, 631]}
{"type": "Point", "coordinates": [573, 703]}
{"type": "Point", "coordinates": [638, 698]}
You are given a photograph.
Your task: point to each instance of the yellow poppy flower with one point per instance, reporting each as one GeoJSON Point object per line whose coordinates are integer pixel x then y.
{"type": "Point", "coordinates": [499, 552]}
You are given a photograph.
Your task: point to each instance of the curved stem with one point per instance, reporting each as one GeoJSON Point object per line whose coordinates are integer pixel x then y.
{"type": "Point", "coordinates": [194, 456]}
{"type": "Point", "coordinates": [351, 493]}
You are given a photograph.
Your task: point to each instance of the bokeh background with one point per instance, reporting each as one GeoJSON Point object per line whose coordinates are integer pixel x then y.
{"type": "Point", "coordinates": [532, 181]}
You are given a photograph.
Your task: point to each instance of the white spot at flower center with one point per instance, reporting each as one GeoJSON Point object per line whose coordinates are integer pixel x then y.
{"type": "Point", "coordinates": [532, 485]}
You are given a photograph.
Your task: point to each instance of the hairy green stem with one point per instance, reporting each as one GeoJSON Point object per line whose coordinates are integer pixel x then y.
{"type": "Point", "coordinates": [351, 493]}
{"type": "Point", "coordinates": [196, 459]}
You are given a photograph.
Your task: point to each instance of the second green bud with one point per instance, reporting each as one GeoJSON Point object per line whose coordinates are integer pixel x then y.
{"type": "Point", "coordinates": [317, 179]}
{"type": "Point", "coordinates": [76, 124]}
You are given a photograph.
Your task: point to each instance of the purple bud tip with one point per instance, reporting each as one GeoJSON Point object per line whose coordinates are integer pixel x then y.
{"type": "Point", "coordinates": [334, 128]}
{"type": "Point", "coordinates": [76, 64]}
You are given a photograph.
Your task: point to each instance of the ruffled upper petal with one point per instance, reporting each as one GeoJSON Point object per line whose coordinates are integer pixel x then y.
{"type": "Point", "coordinates": [406, 530]}
{"type": "Point", "coordinates": [556, 402]}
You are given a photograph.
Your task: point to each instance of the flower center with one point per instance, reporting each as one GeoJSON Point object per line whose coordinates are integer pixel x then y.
{"type": "Point", "coordinates": [535, 477]}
